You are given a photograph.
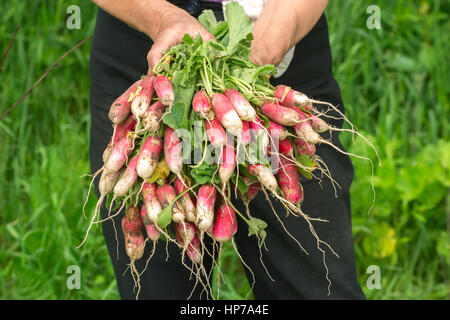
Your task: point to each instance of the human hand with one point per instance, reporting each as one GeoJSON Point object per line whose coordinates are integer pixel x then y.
{"type": "Point", "coordinates": [173, 25]}
{"type": "Point", "coordinates": [281, 25]}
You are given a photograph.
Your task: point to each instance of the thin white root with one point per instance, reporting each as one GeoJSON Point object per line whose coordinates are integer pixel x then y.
{"type": "Point", "coordinates": [90, 187]}
{"type": "Point", "coordinates": [248, 268]}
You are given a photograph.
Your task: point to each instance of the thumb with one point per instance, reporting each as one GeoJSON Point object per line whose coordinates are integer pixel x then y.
{"type": "Point", "coordinates": [154, 55]}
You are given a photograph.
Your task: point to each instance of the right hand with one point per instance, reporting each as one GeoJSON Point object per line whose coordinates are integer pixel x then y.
{"type": "Point", "coordinates": [173, 25]}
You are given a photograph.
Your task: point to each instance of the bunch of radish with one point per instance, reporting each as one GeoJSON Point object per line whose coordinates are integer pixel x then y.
{"type": "Point", "coordinates": [260, 138]}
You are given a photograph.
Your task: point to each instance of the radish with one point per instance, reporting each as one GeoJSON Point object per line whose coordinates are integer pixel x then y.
{"type": "Point", "coordinates": [186, 200]}
{"type": "Point", "coordinates": [119, 155]}
{"type": "Point", "coordinates": [107, 182]}
{"type": "Point", "coordinates": [304, 147]}
{"type": "Point", "coordinates": [215, 132]}
{"type": "Point", "coordinates": [225, 113]}
{"type": "Point", "coordinates": [152, 205]}
{"type": "Point", "coordinates": [186, 230]}
{"type": "Point", "coordinates": [318, 124]}
{"type": "Point", "coordinates": [142, 101]}
{"type": "Point", "coordinates": [192, 247]}
{"type": "Point", "coordinates": [280, 114]}
{"type": "Point", "coordinates": [289, 182]}
{"type": "Point", "coordinates": [164, 90]}
{"type": "Point", "coordinates": [152, 118]}
{"type": "Point", "coordinates": [173, 151]}
{"type": "Point", "coordinates": [260, 134]}
{"type": "Point", "coordinates": [304, 128]}
{"type": "Point", "coordinates": [264, 175]}
{"type": "Point", "coordinates": [120, 108]}
{"type": "Point", "coordinates": [120, 131]}
{"type": "Point", "coordinates": [290, 97]}
{"type": "Point", "coordinates": [228, 163]}
{"type": "Point", "coordinates": [243, 108]}
{"type": "Point", "coordinates": [245, 137]}
{"type": "Point", "coordinates": [205, 206]}
{"type": "Point", "coordinates": [252, 191]}
{"type": "Point", "coordinates": [286, 148]}
{"type": "Point", "coordinates": [277, 131]}
{"type": "Point", "coordinates": [166, 195]}
{"type": "Point", "coordinates": [225, 223]}
{"type": "Point", "coordinates": [134, 240]}
{"type": "Point", "coordinates": [128, 178]}
{"type": "Point", "coordinates": [152, 231]}
{"type": "Point", "coordinates": [149, 156]}
{"type": "Point", "coordinates": [132, 229]}
{"type": "Point", "coordinates": [202, 105]}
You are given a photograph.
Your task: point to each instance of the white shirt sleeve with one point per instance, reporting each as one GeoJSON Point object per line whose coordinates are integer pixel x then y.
{"type": "Point", "coordinates": [253, 9]}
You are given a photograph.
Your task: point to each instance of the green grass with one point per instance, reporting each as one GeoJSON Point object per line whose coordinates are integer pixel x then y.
{"type": "Point", "coordinates": [394, 83]}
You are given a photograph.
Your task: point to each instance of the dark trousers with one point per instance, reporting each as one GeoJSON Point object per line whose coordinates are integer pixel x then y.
{"type": "Point", "coordinates": [118, 58]}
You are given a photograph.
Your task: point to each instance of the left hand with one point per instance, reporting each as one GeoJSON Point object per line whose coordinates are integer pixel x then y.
{"type": "Point", "coordinates": [271, 41]}
{"type": "Point", "coordinates": [281, 24]}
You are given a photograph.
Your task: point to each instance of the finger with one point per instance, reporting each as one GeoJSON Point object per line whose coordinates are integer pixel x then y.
{"type": "Point", "coordinates": [153, 56]}
{"type": "Point", "coordinates": [206, 36]}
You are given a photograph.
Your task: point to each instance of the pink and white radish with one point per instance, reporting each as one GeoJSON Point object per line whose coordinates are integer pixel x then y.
{"type": "Point", "coordinates": [215, 133]}
{"type": "Point", "coordinates": [286, 148]}
{"type": "Point", "coordinates": [280, 114]}
{"type": "Point", "coordinates": [152, 231]}
{"type": "Point", "coordinates": [304, 129]}
{"type": "Point", "coordinates": [149, 156]}
{"type": "Point", "coordinates": [132, 230]}
{"type": "Point", "coordinates": [121, 130]}
{"type": "Point", "coordinates": [227, 163]}
{"type": "Point", "coordinates": [243, 108]}
{"type": "Point", "coordinates": [119, 155]}
{"type": "Point", "coordinates": [264, 175]}
{"type": "Point", "coordinates": [246, 136]}
{"type": "Point", "coordinates": [202, 105]}
{"type": "Point", "coordinates": [173, 151]}
{"type": "Point", "coordinates": [304, 147]}
{"type": "Point", "coordinates": [186, 230]}
{"type": "Point", "coordinates": [164, 90]}
{"type": "Point", "coordinates": [192, 248]}
{"type": "Point", "coordinates": [120, 108]}
{"type": "Point", "coordinates": [225, 113]}
{"type": "Point", "coordinates": [166, 195]}
{"type": "Point", "coordinates": [225, 223]}
{"type": "Point", "coordinates": [290, 97]}
{"type": "Point", "coordinates": [186, 200]}
{"type": "Point", "coordinates": [260, 135]}
{"type": "Point", "coordinates": [277, 131]}
{"type": "Point", "coordinates": [289, 182]}
{"type": "Point", "coordinates": [206, 199]}
{"type": "Point", "coordinates": [151, 202]}
{"type": "Point", "coordinates": [128, 178]}
{"type": "Point", "coordinates": [142, 100]}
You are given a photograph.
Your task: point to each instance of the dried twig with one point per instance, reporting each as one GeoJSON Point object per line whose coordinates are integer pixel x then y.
{"type": "Point", "coordinates": [8, 47]}
{"type": "Point", "coordinates": [43, 76]}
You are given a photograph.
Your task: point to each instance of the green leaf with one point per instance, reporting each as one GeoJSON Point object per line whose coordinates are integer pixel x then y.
{"type": "Point", "coordinates": [220, 30]}
{"type": "Point", "coordinates": [306, 161]}
{"type": "Point", "coordinates": [308, 164]}
{"type": "Point", "coordinates": [304, 173]}
{"type": "Point", "coordinates": [178, 116]}
{"type": "Point", "coordinates": [187, 39]}
{"type": "Point", "coordinates": [208, 20]}
{"type": "Point", "coordinates": [205, 173]}
{"type": "Point", "coordinates": [256, 227]}
{"type": "Point", "coordinates": [165, 216]}
{"type": "Point", "coordinates": [239, 25]}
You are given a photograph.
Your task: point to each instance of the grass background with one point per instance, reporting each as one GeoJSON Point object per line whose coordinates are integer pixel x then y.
{"type": "Point", "coordinates": [394, 83]}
